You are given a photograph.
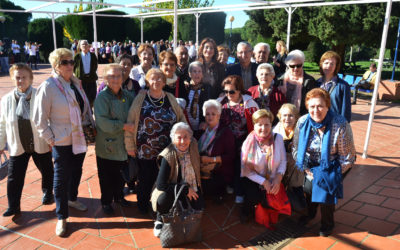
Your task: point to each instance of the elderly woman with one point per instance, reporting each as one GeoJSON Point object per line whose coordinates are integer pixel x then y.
{"type": "Point", "coordinates": [295, 83]}
{"type": "Point", "coordinates": [263, 163]}
{"type": "Point", "coordinates": [223, 54]}
{"type": "Point", "coordinates": [174, 85]}
{"type": "Point", "coordinates": [237, 108]}
{"type": "Point", "coordinates": [279, 60]}
{"type": "Point", "coordinates": [196, 94]}
{"type": "Point", "coordinates": [266, 94]}
{"type": "Point", "coordinates": [339, 90]}
{"type": "Point", "coordinates": [179, 165]}
{"type": "Point", "coordinates": [61, 111]}
{"type": "Point", "coordinates": [214, 72]}
{"type": "Point", "coordinates": [111, 111]}
{"type": "Point", "coordinates": [218, 152]}
{"type": "Point", "coordinates": [18, 130]}
{"type": "Point", "coordinates": [323, 148]}
{"type": "Point", "coordinates": [152, 113]}
{"type": "Point", "coordinates": [146, 56]}
{"type": "Point", "coordinates": [293, 179]}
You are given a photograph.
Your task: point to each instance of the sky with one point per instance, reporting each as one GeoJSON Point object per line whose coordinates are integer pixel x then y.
{"type": "Point", "coordinates": [240, 16]}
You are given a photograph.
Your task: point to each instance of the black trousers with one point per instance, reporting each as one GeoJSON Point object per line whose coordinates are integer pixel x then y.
{"type": "Point", "coordinates": [215, 186]}
{"type": "Point", "coordinates": [17, 171]}
{"type": "Point", "coordinates": [147, 175]}
{"type": "Point", "coordinates": [327, 211]}
{"type": "Point", "coordinates": [253, 195]}
{"type": "Point", "coordinates": [90, 89]}
{"type": "Point", "coordinates": [362, 84]}
{"type": "Point", "coordinates": [110, 178]}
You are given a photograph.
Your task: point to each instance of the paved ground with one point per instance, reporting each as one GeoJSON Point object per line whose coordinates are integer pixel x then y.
{"type": "Point", "coordinates": [368, 217]}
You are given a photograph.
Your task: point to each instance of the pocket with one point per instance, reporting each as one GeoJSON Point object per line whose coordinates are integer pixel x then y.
{"type": "Point", "coordinates": [110, 145]}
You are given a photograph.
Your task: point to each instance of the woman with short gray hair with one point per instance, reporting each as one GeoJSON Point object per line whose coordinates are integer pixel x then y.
{"type": "Point", "coordinates": [196, 94]}
{"type": "Point", "coordinates": [295, 83]}
{"type": "Point", "coordinates": [179, 165]}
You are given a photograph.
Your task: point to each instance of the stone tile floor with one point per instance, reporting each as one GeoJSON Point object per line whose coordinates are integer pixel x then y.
{"type": "Point", "coordinates": [367, 218]}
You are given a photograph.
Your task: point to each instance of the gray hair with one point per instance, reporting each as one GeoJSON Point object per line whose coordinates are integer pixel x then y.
{"type": "Point", "coordinates": [266, 66]}
{"type": "Point", "coordinates": [181, 47]}
{"type": "Point", "coordinates": [263, 45]}
{"type": "Point", "coordinates": [212, 104]}
{"type": "Point", "coordinates": [295, 55]}
{"type": "Point", "coordinates": [180, 126]}
{"type": "Point", "coordinates": [195, 64]}
{"type": "Point", "coordinates": [244, 43]}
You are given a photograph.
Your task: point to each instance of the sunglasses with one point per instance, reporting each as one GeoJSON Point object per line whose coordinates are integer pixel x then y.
{"type": "Point", "coordinates": [231, 92]}
{"type": "Point", "coordinates": [296, 66]}
{"type": "Point", "coordinates": [66, 62]}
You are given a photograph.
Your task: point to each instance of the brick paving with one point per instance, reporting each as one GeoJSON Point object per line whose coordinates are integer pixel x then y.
{"type": "Point", "coordinates": [367, 218]}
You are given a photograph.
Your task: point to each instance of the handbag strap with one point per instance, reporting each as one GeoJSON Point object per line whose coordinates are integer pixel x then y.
{"type": "Point", "coordinates": [177, 194]}
{"type": "Point", "coordinates": [5, 159]}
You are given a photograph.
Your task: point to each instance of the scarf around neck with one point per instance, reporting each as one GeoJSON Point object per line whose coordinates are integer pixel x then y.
{"type": "Point", "coordinates": [23, 107]}
{"type": "Point", "coordinates": [186, 168]}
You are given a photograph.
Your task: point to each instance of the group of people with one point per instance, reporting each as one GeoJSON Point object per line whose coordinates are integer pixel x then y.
{"type": "Point", "coordinates": [29, 53]}
{"type": "Point", "coordinates": [210, 127]}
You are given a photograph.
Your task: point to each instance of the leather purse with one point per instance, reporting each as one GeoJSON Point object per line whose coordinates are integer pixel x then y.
{"type": "Point", "coordinates": [181, 225]}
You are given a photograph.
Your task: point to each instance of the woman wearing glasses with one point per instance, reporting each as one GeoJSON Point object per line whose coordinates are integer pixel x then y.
{"type": "Point", "coordinates": [237, 109]}
{"type": "Point", "coordinates": [295, 83]}
{"type": "Point", "coordinates": [61, 110]}
{"type": "Point", "coordinates": [174, 84]}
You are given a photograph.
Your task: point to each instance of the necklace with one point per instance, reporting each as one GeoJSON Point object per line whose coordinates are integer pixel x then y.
{"type": "Point", "coordinates": [161, 100]}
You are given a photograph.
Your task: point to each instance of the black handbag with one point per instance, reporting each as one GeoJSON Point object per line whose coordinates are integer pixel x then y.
{"type": "Point", "coordinates": [90, 133]}
{"type": "Point", "coordinates": [181, 225]}
{"type": "Point", "coordinates": [130, 171]}
{"type": "Point", "coordinates": [4, 166]}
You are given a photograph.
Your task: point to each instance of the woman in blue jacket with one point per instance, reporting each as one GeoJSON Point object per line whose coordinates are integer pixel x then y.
{"type": "Point", "coordinates": [338, 89]}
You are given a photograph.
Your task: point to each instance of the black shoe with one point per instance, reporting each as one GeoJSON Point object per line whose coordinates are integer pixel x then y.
{"type": "Point", "coordinates": [218, 200]}
{"type": "Point", "coordinates": [244, 216]}
{"type": "Point", "coordinates": [325, 232]}
{"type": "Point", "coordinates": [48, 198]}
{"type": "Point", "coordinates": [123, 203]}
{"type": "Point", "coordinates": [12, 211]}
{"type": "Point", "coordinates": [108, 209]}
{"type": "Point", "coordinates": [303, 220]}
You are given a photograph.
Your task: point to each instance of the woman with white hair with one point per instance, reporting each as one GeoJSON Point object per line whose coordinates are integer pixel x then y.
{"type": "Point", "coordinates": [295, 83]}
{"type": "Point", "coordinates": [217, 150]}
{"type": "Point", "coordinates": [266, 95]}
{"type": "Point", "coordinates": [179, 165]}
{"type": "Point", "coordinates": [61, 111]}
{"type": "Point", "coordinates": [196, 94]}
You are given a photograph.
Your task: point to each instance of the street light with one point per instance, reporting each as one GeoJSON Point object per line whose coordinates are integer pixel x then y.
{"type": "Point", "coordinates": [2, 20]}
{"type": "Point", "coordinates": [231, 19]}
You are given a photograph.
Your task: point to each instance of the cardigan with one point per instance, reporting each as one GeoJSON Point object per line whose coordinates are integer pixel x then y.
{"type": "Point", "coordinates": [78, 68]}
{"type": "Point", "coordinates": [9, 133]}
{"type": "Point", "coordinates": [205, 95]}
{"type": "Point", "coordinates": [111, 113]}
{"type": "Point", "coordinates": [276, 99]}
{"type": "Point", "coordinates": [134, 116]}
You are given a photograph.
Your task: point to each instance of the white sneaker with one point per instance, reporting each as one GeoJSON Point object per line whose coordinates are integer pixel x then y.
{"type": "Point", "coordinates": [157, 228]}
{"type": "Point", "coordinates": [239, 199]}
{"type": "Point", "coordinates": [229, 190]}
{"type": "Point", "coordinates": [61, 227]}
{"type": "Point", "coordinates": [77, 205]}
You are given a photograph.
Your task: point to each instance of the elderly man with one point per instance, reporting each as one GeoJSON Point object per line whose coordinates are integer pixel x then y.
{"type": "Point", "coordinates": [182, 55]}
{"type": "Point", "coordinates": [245, 68]}
{"type": "Point", "coordinates": [261, 53]}
{"type": "Point", "coordinates": [4, 58]}
{"type": "Point", "coordinates": [367, 81]}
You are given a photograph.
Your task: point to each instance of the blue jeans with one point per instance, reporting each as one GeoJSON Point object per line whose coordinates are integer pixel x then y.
{"type": "Point", "coordinates": [67, 176]}
{"type": "Point", "coordinates": [4, 64]}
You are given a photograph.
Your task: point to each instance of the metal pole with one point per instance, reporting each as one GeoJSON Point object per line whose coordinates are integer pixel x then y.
{"type": "Point", "coordinates": [54, 31]}
{"type": "Point", "coordinates": [395, 52]}
{"type": "Point", "coordinates": [95, 29]}
{"type": "Point", "coordinates": [175, 24]}
{"type": "Point", "coordinates": [378, 76]}
{"type": "Point", "coordinates": [141, 29]}
{"type": "Point", "coordinates": [197, 15]}
{"type": "Point", "coordinates": [289, 11]}
{"type": "Point", "coordinates": [230, 38]}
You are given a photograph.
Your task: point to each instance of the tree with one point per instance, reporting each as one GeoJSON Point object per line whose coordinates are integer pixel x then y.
{"type": "Point", "coordinates": [41, 31]}
{"type": "Point", "coordinates": [16, 24]}
{"type": "Point", "coordinates": [156, 28]}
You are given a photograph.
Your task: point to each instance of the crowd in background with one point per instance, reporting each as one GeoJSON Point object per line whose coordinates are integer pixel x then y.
{"type": "Point", "coordinates": [184, 117]}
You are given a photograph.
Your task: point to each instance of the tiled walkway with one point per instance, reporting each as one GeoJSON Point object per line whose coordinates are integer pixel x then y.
{"type": "Point", "coordinates": [368, 217]}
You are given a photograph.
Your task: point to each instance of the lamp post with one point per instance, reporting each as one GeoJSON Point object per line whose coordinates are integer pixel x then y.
{"type": "Point", "coordinates": [2, 20]}
{"type": "Point", "coordinates": [231, 19]}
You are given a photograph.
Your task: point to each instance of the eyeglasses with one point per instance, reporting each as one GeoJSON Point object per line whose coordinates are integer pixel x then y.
{"type": "Point", "coordinates": [298, 66]}
{"type": "Point", "coordinates": [114, 77]}
{"type": "Point", "coordinates": [66, 62]}
{"type": "Point", "coordinates": [169, 65]}
{"type": "Point", "coordinates": [231, 92]}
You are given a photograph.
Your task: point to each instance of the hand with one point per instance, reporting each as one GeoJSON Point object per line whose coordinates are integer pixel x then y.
{"type": "Point", "coordinates": [192, 194]}
{"type": "Point", "coordinates": [51, 144]}
{"type": "Point", "coordinates": [1, 151]}
{"type": "Point", "coordinates": [132, 153]}
{"type": "Point", "coordinates": [206, 159]}
{"type": "Point", "coordinates": [203, 126]}
{"type": "Point", "coordinates": [129, 127]}
{"type": "Point", "coordinates": [275, 185]}
{"type": "Point", "coordinates": [250, 166]}
{"type": "Point", "coordinates": [308, 172]}
{"type": "Point", "coordinates": [267, 186]}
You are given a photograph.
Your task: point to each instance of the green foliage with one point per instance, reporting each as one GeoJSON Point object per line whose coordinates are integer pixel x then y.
{"type": "Point", "coordinates": [210, 25]}
{"type": "Point", "coordinates": [41, 31]}
{"type": "Point", "coordinates": [236, 38]}
{"type": "Point", "coordinates": [16, 24]}
{"type": "Point", "coordinates": [314, 51]}
{"type": "Point", "coordinates": [155, 28]}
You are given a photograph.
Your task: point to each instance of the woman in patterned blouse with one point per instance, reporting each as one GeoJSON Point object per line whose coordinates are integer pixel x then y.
{"type": "Point", "coordinates": [153, 113]}
{"type": "Point", "coordinates": [323, 148]}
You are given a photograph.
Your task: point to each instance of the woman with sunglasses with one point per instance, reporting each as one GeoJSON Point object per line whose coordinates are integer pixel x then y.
{"type": "Point", "coordinates": [295, 83]}
{"type": "Point", "coordinates": [339, 90]}
{"type": "Point", "coordinates": [237, 109]}
{"type": "Point", "coordinates": [61, 110]}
